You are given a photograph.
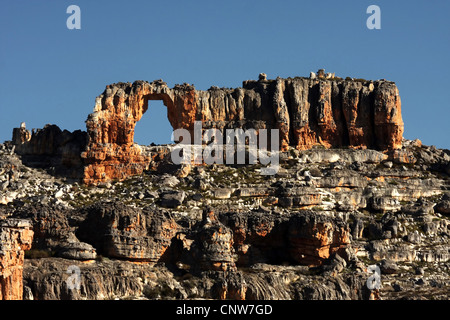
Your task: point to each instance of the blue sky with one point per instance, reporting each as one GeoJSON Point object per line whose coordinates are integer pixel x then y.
{"type": "Point", "coordinates": [50, 74]}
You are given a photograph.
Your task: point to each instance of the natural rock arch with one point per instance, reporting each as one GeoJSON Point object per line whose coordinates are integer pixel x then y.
{"type": "Point", "coordinates": [111, 152]}
{"type": "Point", "coordinates": [308, 112]}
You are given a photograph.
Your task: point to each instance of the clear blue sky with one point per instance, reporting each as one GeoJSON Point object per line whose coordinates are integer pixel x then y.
{"type": "Point", "coordinates": [50, 74]}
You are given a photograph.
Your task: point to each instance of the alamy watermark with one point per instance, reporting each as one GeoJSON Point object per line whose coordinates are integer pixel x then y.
{"type": "Point", "coordinates": [374, 20]}
{"type": "Point", "coordinates": [374, 280]}
{"type": "Point", "coordinates": [74, 280]}
{"type": "Point", "coordinates": [238, 144]}
{"type": "Point", "coordinates": [74, 20]}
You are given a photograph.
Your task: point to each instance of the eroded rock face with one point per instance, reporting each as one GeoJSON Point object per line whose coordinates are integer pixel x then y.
{"type": "Point", "coordinates": [303, 238]}
{"type": "Point", "coordinates": [51, 147]}
{"type": "Point", "coordinates": [111, 152]}
{"type": "Point", "coordinates": [309, 232]}
{"type": "Point", "coordinates": [53, 235]}
{"type": "Point", "coordinates": [212, 245]}
{"type": "Point", "coordinates": [99, 280]}
{"type": "Point", "coordinates": [307, 112]}
{"type": "Point", "coordinates": [129, 233]}
{"type": "Point", "coordinates": [16, 236]}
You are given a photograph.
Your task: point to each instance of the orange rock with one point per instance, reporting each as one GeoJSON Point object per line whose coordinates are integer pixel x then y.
{"type": "Point", "coordinates": [306, 112]}
{"type": "Point", "coordinates": [16, 236]}
{"type": "Point", "coordinates": [317, 241]}
{"type": "Point", "coordinates": [305, 237]}
{"type": "Point", "coordinates": [21, 135]}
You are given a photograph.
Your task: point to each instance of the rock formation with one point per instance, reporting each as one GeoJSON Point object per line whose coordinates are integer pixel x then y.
{"type": "Point", "coordinates": [308, 112]}
{"type": "Point", "coordinates": [51, 147]}
{"type": "Point", "coordinates": [326, 111]}
{"type": "Point", "coordinates": [308, 239]}
{"type": "Point", "coordinates": [226, 232]}
{"type": "Point", "coordinates": [128, 233]}
{"type": "Point", "coordinates": [15, 237]}
{"type": "Point", "coordinates": [350, 194]}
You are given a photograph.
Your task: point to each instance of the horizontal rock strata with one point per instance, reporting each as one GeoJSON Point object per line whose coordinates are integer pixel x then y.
{"type": "Point", "coordinates": [227, 232]}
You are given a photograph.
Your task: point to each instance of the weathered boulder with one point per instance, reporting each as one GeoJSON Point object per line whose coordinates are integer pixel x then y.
{"type": "Point", "coordinates": [172, 198]}
{"type": "Point", "coordinates": [443, 206]}
{"type": "Point", "coordinates": [78, 251]}
{"type": "Point", "coordinates": [314, 238]}
{"type": "Point", "coordinates": [50, 225]}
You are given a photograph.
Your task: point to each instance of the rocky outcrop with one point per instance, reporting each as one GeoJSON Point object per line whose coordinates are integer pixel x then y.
{"type": "Point", "coordinates": [212, 245]}
{"type": "Point", "coordinates": [308, 112]}
{"type": "Point", "coordinates": [111, 152]}
{"type": "Point", "coordinates": [53, 234]}
{"type": "Point", "coordinates": [147, 235]}
{"type": "Point", "coordinates": [227, 232]}
{"type": "Point", "coordinates": [304, 238]}
{"type": "Point", "coordinates": [15, 237]}
{"type": "Point", "coordinates": [349, 194]}
{"type": "Point", "coordinates": [51, 147]}
{"type": "Point", "coordinates": [47, 279]}
{"type": "Point", "coordinates": [128, 233]}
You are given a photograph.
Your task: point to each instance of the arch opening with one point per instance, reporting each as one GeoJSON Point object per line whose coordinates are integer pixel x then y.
{"type": "Point", "coordinates": [154, 126]}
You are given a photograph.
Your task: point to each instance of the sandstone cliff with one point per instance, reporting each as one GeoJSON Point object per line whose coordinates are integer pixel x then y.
{"type": "Point", "coordinates": [15, 237]}
{"type": "Point", "coordinates": [308, 112]}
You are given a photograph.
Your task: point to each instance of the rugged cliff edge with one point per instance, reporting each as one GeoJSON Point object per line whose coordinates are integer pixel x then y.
{"type": "Point", "coordinates": [330, 112]}
{"type": "Point", "coordinates": [308, 112]}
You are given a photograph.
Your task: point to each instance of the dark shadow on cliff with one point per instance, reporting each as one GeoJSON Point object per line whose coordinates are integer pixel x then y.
{"type": "Point", "coordinates": [56, 151]}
